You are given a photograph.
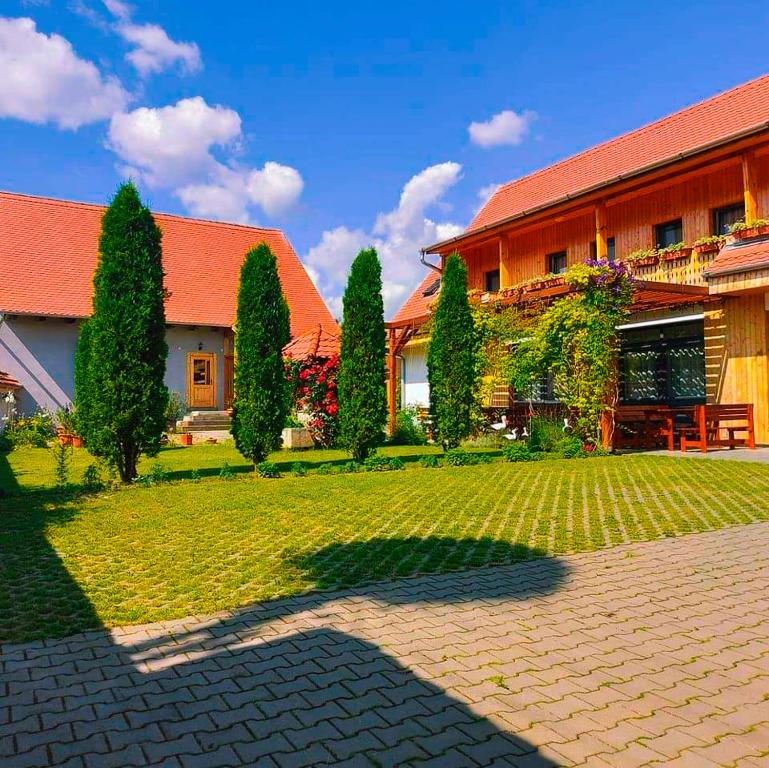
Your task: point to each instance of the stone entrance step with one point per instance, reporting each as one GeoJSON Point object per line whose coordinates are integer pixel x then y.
{"type": "Point", "coordinates": [206, 421]}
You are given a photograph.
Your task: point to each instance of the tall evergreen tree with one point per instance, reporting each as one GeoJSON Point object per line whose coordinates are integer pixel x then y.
{"type": "Point", "coordinates": [82, 381]}
{"type": "Point", "coordinates": [451, 357]}
{"type": "Point", "coordinates": [361, 379]}
{"type": "Point", "coordinates": [262, 392]}
{"type": "Point", "coordinates": [126, 398]}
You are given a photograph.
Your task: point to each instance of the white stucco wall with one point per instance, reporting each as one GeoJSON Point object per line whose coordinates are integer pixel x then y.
{"type": "Point", "coordinates": [41, 355]}
{"type": "Point", "coordinates": [414, 387]}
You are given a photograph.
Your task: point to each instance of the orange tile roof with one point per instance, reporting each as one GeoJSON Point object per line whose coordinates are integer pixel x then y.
{"type": "Point", "coordinates": [315, 342]}
{"type": "Point", "coordinates": [48, 250]}
{"type": "Point", "coordinates": [7, 382]}
{"type": "Point", "coordinates": [418, 305]}
{"type": "Point", "coordinates": [719, 118]}
{"type": "Point", "coordinates": [740, 256]}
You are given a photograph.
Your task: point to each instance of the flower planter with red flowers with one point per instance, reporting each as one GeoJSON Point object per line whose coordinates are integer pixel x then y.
{"type": "Point", "coordinates": [185, 438]}
{"type": "Point", "coordinates": [678, 255]}
{"type": "Point", "coordinates": [760, 230]}
{"type": "Point", "coordinates": [707, 248]}
{"type": "Point", "coordinates": [646, 261]}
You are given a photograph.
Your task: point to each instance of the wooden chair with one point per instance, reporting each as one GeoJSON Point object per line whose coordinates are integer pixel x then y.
{"type": "Point", "coordinates": [708, 430]}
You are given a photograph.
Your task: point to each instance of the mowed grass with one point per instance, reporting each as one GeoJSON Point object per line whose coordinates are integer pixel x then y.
{"type": "Point", "coordinates": [192, 547]}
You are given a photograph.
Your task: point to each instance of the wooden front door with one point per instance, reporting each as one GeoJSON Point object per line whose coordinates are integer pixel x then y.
{"type": "Point", "coordinates": [201, 380]}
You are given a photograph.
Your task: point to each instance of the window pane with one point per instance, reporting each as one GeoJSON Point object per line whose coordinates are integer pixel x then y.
{"type": "Point", "coordinates": [723, 218]}
{"type": "Point", "coordinates": [612, 253]}
{"type": "Point", "coordinates": [640, 375]}
{"type": "Point", "coordinates": [669, 233]}
{"type": "Point", "coordinates": [687, 373]}
{"type": "Point", "coordinates": [492, 280]}
{"type": "Point", "coordinates": [556, 262]}
{"type": "Point", "coordinates": [201, 372]}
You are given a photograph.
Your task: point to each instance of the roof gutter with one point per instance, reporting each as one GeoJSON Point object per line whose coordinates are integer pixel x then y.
{"type": "Point", "coordinates": [427, 263]}
{"type": "Point", "coordinates": [436, 247]}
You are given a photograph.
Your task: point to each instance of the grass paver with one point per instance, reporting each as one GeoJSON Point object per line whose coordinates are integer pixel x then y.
{"type": "Point", "coordinates": [72, 562]}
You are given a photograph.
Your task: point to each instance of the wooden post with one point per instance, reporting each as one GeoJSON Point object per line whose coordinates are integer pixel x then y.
{"type": "Point", "coordinates": [392, 381]}
{"type": "Point", "coordinates": [505, 271]}
{"type": "Point", "coordinates": [750, 187]}
{"type": "Point", "coordinates": [601, 242]}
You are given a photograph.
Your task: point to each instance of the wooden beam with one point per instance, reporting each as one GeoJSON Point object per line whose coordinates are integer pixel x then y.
{"type": "Point", "coordinates": [601, 240]}
{"type": "Point", "coordinates": [505, 267]}
{"type": "Point", "coordinates": [750, 186]}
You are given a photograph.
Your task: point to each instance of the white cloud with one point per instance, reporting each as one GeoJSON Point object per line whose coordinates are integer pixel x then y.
{"type": "Point", "coordinates": [173, 147]}
{"type": "Point", "coordinates": [118, 9]}
{"type": "Point", "coordinates": [506, 127]}
{"type": "Point", "coordinates": [397, 235]}
{"type": "Point", "coordinates": [155, 51]}
{"type": "Point", "coordinates": [43, 79]}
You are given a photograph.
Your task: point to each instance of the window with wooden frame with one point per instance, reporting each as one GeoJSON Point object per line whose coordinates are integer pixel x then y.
{"type": "Point", "coordinates": [555, 263]}
{"type": "Point", "coordinates": [668, 233]}
{"type": "Point", "coordinates": [723, 218]}
{"type": "Point", "coordinates": [491, 281]}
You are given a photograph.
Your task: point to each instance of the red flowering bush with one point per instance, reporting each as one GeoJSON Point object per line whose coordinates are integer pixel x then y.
{"type": "Point", "coordinates": [314, 386]}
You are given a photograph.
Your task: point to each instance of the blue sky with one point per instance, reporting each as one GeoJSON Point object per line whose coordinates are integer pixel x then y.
{"type": "Point", "coordinates": [343, 123]}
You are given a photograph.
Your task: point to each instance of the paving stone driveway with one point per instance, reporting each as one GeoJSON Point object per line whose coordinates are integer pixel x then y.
{"type": "Point", "coordinates": [648, 654]}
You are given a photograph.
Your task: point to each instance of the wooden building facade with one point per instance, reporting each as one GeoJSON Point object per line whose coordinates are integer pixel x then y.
{"type": "Point", "coordinates": [694, 174]}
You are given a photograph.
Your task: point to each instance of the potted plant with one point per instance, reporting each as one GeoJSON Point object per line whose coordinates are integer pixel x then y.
{"type": "Point", "coordinates": [676, 252]}
{"type": "Point", "coordinates": [185, 438]}
{"type": "Point", "coordinates": [742, 230]}
{"type": "Point", "coordinates": [645, 257]}
{"type": "Point", "coordinates": [77, 442]}
{"type": "Point", "coordinates": [65, 426]}
{"type": "Point", "coordinates": [709, 244]}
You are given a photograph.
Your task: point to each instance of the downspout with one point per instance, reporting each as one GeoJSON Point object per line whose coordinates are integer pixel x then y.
{"type": "Point", "coordinates": [426, 263]}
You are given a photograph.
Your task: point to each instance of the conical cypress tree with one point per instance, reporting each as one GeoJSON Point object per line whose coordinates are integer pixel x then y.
{"type": "Point", "coordinates": [451, 357]}
{"type": "Point", "coordinates": [126, 396]}
{"type": "Point", "coordinates": [82, 381]}
{"type": "Point", "coordinates": [361, 379]}
{"type": "Point", "coordinates": [262, 394]}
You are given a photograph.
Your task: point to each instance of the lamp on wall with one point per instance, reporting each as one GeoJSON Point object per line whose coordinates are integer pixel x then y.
{"type": "Point", "coordinates": [200, 346]}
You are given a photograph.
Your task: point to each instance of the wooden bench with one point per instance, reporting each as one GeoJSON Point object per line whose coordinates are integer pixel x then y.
{"type": "Point", "coordinates": [710, 431]}
{"type": "Point", "coordinates": [641, 426]}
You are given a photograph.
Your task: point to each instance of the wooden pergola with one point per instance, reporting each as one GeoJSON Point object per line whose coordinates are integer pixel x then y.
{"type": "Point", "coordinates": [649, 295]}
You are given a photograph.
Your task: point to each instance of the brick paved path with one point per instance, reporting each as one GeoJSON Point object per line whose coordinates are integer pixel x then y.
{"type": "Point", "coordinates": [648, 654]}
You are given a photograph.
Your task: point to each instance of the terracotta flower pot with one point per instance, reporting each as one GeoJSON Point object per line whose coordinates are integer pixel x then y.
{"type": "Point", "coordinates": [65, 439]}
{"type": "Point", "coordinates": [185, 439]}
{"type": "Point", "coordinates": [77, 442]}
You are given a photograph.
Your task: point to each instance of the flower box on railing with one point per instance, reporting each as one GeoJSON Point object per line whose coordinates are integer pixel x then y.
{"type": "Point", "coordinates": [707, 248]}
{"type": "Point", "coordinates": [644, 261]}
{"type": "Point", "coordinates": [678, 254]}
{"type": "Point", "coordinates": [749, 232]}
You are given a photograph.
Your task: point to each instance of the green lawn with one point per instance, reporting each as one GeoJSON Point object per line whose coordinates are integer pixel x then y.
{"type": "Point", "coordinates": [142, 554]}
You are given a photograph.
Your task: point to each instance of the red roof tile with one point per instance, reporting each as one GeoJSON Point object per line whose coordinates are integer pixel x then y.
{"type": "Point", "coordinates": [418, 305]}
{"type": "Point", "coordinates": [7, 382]}
{"type": "Point", "coordinates": [48, 250]}
{"type": "Point", "coordinates": [741, 256]}
{"type": "Point", "coordinates": [716, 119]}
{"type": "Point", "coordinates": [316, 342]}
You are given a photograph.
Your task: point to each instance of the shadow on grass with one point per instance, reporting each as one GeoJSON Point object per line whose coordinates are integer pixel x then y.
{"type": "Point", "coordinates": [38, 596]}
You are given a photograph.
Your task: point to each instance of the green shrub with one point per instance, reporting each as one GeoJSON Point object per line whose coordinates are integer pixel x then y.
{"type": "Point", "coordinates": [569, 447]}
{"type": "Point", "coordinates": [518, 451]}
{"type": "Point", "coordinates": [62, 454]}
{"type": "Point", "coordinates": [33, 431]}
{"type": "Point", "coordinates": [92, 479]}
{"type": "Point", "coordinates": [452, 369]}
{"type": "Point", "coordinates": [175, 410]}
{"type": "Point", "coordinates": [397, 464]}
{"type": "Point", "coordinates": [350, 467]}
{"type": "Point", "coordinates": [459, 457]}
{"type": "Point", "coordinates": [292, 422]}
{"type": "Point", "coordinates": [376, 464]}
{"type": "Point", "coordinates": [127, 350]}
{"type": "Point", "coordinates": [430, 461]}
{"type": "Point", "coordinates": [361, 378]}
{"type": "Point", "coordinates": [267, 469]}
{"type": "Point", "coordinates": [226, 472]}
{"type": "Point", "coordinates": [195, 474]}
{"type": "Point", "coordinates": [408, 428]}
{"type": "Point", "coordinates": [298, 469]}
{"type": "Point", "coordinates": [325, 469]}
{"type": "Point", "coordinates": [262, 394]}
{"type": "Point", "coordinates": [544, 433]}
